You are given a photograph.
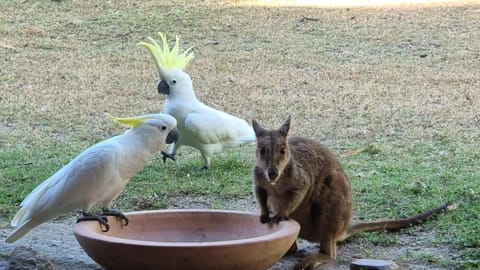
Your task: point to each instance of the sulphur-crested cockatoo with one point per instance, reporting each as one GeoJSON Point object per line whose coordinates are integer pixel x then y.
{"type": "Point", "coordinates": [97, 175]}
{"type": "Point", "coordinates": [199, 126]}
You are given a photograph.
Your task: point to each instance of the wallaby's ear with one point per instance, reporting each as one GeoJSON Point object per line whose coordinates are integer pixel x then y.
{"type": "Point", "coordinates": [257, 128]}
{"type": "Point", "coordinates": [285, 127]}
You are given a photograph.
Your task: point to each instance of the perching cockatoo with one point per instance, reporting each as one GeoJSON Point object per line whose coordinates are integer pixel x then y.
{"type": "Point", "coordinates": [97, 175]}
{"type": "Point", "coordinates": [199, 126]}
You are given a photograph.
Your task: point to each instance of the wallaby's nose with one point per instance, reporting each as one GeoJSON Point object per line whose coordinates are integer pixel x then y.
{"type": "Point", "coordinates": [272, 174]}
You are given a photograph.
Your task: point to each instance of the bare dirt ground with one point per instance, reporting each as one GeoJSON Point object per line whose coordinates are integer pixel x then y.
{"type": "Point", "coordinates": [55, 241]}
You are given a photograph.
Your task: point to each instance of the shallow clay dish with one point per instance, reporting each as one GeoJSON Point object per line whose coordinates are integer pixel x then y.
{"type": "Point", "coordinates": [187, 239]}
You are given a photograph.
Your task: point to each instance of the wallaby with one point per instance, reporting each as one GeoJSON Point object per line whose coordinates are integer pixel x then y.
{"type": "Point", "coordinates": [299, 178]}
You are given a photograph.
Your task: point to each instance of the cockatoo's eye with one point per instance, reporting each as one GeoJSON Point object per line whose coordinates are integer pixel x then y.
{"type": "Point", "coordinates": [174, 82]}
{"type": "Point", "coordinates": [163, 128]}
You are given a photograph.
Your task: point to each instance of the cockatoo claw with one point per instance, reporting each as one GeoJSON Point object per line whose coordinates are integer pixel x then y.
{"type": "Point", "coordinates": [166, 155]}
{"type": "Point", "coordinates": [204, 168]}
{"type": "Point", "coordinates": [106, 226]}
{"type": "Point", "coordinates": [101, 219]}
{"type": "Point", "coordinates": [115, 213]}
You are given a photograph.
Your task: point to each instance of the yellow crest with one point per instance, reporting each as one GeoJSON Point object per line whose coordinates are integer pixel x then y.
{"type": "Point", "coordinates": [166, 57]}
{"type": "Point", "coordinates": [131, 121]}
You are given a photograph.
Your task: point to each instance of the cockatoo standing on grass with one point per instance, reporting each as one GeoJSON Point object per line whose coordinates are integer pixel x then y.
{"type": "Point", "coordinates": [97, 175]}
{"type": "Point", "coordinates": [199, 126]}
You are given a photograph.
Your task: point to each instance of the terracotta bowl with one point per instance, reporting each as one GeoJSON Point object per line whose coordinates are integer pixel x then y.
{"type": "Point", "coordinates": [187, 239]}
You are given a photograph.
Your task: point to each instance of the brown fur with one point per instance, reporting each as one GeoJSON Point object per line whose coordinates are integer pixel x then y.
{"type": "Point", "coordinates": [299, 178]}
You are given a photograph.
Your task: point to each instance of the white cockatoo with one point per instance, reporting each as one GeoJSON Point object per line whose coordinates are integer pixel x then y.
{"type": "Point", "coordinates": [97, 175]}
{"type": "Point", "coordinates": [199, 126]}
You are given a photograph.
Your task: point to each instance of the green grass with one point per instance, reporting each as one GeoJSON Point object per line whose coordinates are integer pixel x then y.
{"type": "Point", "coordinates": [403, 181]}
{"type": "Point", "coordinates": [229, 177]}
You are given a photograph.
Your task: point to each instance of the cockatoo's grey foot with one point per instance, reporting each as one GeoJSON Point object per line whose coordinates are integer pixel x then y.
{"type": "Point", "coordinates": [204, 168]}
{"type": "Point", "coordinates": [166, 155]}
{"type": "Point", "coordinates": [101, 219]}
{"type": "Point", "coordinates": [116, 213]}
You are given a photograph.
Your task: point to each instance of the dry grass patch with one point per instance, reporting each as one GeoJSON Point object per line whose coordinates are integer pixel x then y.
{"type": "Point", "coordinates": [374, 71]}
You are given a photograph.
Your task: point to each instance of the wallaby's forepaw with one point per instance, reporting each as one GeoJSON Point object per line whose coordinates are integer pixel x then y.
{"type": "Point", "coordinates": [264, 218]}
{"type": "Point", "coordinates": [277, 218]}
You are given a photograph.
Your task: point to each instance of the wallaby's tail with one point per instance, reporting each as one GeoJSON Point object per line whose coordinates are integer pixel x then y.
{"type": "Point", "coordinates": [395, 225]}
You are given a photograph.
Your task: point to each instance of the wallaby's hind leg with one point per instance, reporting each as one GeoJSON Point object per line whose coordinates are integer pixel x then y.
{"type": "Point", "coordinates": [327, 253]}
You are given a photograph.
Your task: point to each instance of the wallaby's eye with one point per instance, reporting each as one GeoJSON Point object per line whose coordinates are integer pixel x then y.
{"type": "Point", "coordinates": [282, 151]}
{"type": "Point", "coordinates": [262, 151]}
{"type": "Point", "coordinates": [174, 82]}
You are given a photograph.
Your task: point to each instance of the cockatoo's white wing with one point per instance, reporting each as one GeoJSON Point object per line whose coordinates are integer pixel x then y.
{"type": "Point", "coordinates": [85, 181]}
{"type": "Point", "coordinates": [45, 185]}
{"type": "Point", "coordinates": [39, 191]}
{"type": "Point", "coordinates": [213, 127]}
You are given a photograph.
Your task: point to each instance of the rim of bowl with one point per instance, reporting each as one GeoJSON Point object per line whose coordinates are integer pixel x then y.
{"type": "Point", "coordinates": [286, 228]}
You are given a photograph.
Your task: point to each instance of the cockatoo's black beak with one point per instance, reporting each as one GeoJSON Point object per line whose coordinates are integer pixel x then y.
{"type": "Point", "coordinates": [163, 87]}
{"type": "Point", "coordinates": [172, 136]}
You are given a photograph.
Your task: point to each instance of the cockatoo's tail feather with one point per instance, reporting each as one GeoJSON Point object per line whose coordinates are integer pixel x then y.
{"type": "Point", "coordinates": [164, 56]}
{"type": "Point", "coordinates": [131, 121]}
